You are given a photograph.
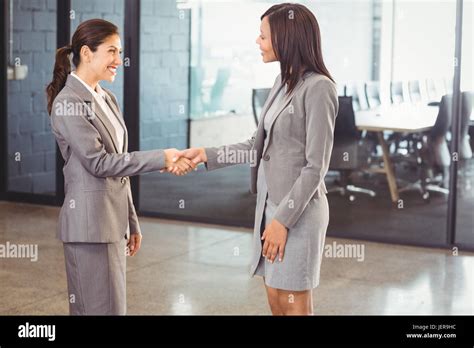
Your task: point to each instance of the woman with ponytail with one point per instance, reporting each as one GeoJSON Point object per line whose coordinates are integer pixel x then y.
{"type": "Point", "coordinates": [98, 223]}
{"type": "Point", "coordinates": [62, 68]}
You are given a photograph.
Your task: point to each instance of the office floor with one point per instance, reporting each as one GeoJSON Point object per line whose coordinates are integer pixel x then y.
{"type": "Point", "coordinates": [202, 269]}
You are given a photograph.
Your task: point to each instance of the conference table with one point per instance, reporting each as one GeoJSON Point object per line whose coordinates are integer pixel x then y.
{"type": "Point", "coordinates": [401, 118]}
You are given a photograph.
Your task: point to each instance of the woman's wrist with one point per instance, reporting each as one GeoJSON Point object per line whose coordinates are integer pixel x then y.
{"type": "Point", "coordinates": [203, 154]}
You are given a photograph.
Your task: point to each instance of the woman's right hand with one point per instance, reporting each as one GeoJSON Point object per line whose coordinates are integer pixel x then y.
{"type": "Point", "coordinates": [196, 155]}
{"type": "Point", "coordinates": [176, 164]}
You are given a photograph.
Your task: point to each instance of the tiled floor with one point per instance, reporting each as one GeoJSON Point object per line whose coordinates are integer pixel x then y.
{"type": "Point", "coordinates": [200, 269]}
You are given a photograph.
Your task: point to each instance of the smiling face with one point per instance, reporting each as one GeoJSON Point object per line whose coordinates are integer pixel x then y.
{"type": "Point", "coordinates": [103, 63]}
{"type": "Point", "coordinates": [264, 40]}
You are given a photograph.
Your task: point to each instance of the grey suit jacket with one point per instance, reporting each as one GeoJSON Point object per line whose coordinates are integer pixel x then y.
{"type": "Point", "coordinates": [297, 156]}
{"type": "Point", "coordinates": [98, 202]}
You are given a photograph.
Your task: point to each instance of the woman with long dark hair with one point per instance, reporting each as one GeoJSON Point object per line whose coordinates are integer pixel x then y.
{"type": "Point", "coordinates": [292, 145]}
{"type": "Point", "coordinates": [98, 215]}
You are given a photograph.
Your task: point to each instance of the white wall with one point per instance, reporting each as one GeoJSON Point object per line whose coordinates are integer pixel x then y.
{"type": "Point", "coordinates": [424, 40]}
{"type": "Point", "coordinates": [346, 35]}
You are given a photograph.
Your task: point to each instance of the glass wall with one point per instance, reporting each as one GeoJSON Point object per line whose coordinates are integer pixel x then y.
{"type": "Point", "coordinates": [465, 192]}
{"type": "Point", "coordinates": [165, 98]}
{"type": "Point", "coordinates": [375, 55]}
{"type": "Point", "coordinates": [199, 71]}
{"type": "Point", "coordinates": [402, 156]}
{"type": "Point", "coordinates": [31, 50]}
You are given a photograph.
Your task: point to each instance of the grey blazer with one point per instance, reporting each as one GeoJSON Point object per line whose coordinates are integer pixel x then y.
{"type": "Point", "coordinates": [98, 202]}
{"type": "Point", "coordinates": [297, 156]}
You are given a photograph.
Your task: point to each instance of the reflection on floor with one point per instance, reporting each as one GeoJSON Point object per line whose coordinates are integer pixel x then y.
{"type": "Point", "coordinates": [415, 221]}
{"type": "Point", "coordinates": [201, 269]}
{"type": "Point", "coordinates": [222, 196]}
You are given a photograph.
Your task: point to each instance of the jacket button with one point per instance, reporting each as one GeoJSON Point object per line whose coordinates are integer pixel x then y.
{"type": "Point", "coordinates": [266, 157]}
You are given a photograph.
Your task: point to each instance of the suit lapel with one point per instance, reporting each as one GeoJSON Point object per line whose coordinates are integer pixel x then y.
{"type": "Point", "coordinates": [286, 100]}
{"type": "Point", "coordinates": [114, 109]}
{"type": "Point", "coordinates": [108, 125]}
{"type": "Point", "coordinates": [119, 116]}
{"type": "Point", "coordinates": [89, 99]}
{"type": "Point", "coordinates": [273, 93]}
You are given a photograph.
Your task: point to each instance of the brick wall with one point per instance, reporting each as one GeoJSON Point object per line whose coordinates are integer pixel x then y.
{"type": "Point", "coordinates": [164, 71]}
{"type": "Point", "coordinates": [31, 146]}
{"type": "Point", "coordinates": [164, 82]}
{"type": "Point", "coordinates": [112, 11]}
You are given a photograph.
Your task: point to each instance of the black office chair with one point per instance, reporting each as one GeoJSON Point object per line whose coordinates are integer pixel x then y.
{"type": "Point", "coordinates": [259, 97]}
{"type": "Point", "coordinates": [396, 92]}
{"type": "Point", "coordinates": [443, 126]}
{"type": "Point", "coordinates": [438, 149]}
{"type": "Point", "coordinates": [433, 157]}
{"type": "Point", "coordinates": [349, 154]}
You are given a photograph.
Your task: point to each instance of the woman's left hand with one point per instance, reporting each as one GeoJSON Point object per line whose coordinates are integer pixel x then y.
{"type": "Point", "coordinates": [134, 243]}
{"type": "Point", "coordinates": [275, 235]}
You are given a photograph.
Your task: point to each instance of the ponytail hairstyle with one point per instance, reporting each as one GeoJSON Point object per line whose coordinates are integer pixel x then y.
{"type": "Point", "coordinates": [296, 41]}
{"type": "Point", "coordinates": [90, 33]}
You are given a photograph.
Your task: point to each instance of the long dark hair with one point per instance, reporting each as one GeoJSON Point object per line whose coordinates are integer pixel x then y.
{"type": "Point", "coordinates": [91, 33]}
{"type": "Point", "coordinates": [296, 41]}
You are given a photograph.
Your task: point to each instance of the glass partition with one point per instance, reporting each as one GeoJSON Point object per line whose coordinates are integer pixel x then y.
{"type": "Point", "coordinates": [199, 73]}
{"type": "Point", "coordinates": [465, 183]}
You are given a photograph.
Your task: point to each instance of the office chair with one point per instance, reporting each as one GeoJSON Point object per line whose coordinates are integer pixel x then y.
{"type": "Point", "coordinates": [403, 141]}
{"type": "Point", "coordinates": [372, 94]}
{"type": "Point", "coordinates": [259, 97]}
{"type": "Point", "coordinates": [349, 154]}
{"type": "Point", "coordinates": [358, 103]}
{"type": "Point", "coordinates": [351, 90]}
{"type": "Point", "coordinates": [432, 92]}
{"type": "Point", "coordinates": [433, 155]}
{"type": "Point", "coordinates": [396, 92]}
{"type": "Point", "coordinates": [414, 91]}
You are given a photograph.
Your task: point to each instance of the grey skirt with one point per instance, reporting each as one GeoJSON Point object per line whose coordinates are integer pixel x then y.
{"type": "Point", "coordinates": [96, 278]}
{"type": "Point", "coordinates": [301, 264]}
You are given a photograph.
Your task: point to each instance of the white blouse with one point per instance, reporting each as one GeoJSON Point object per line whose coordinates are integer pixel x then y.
{"type": "Point", "coordinates": [99, 96]}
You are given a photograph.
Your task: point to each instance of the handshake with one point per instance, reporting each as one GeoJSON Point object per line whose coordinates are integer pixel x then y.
{"type": "Point", "coordinates": [181, 162]}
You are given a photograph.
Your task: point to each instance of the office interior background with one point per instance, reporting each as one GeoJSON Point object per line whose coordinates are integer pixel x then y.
{"type": "Point", "coordinates": [193, 76]}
